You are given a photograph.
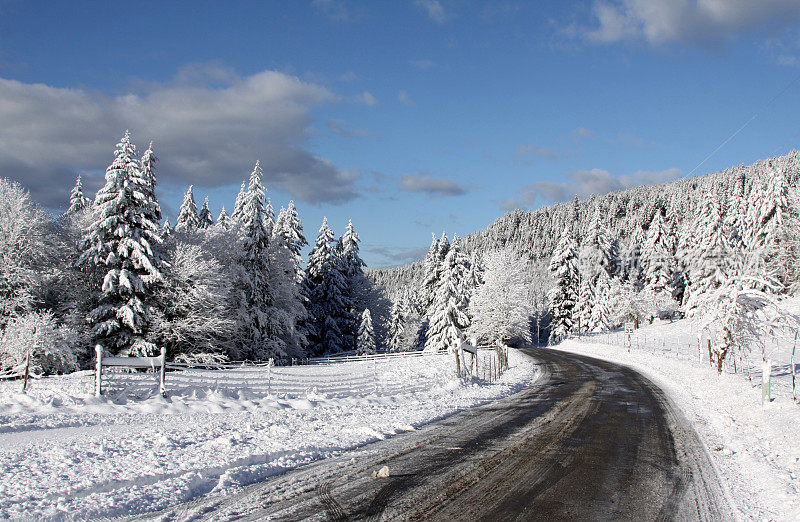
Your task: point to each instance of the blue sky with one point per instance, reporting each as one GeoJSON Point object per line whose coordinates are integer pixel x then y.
{"type": "Point", "coordinates": [409, 117]}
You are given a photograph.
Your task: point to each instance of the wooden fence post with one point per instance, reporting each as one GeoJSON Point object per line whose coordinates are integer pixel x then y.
{"type": "Point", "coordinates": [98, 350]}
{"type": "Point", "coordinates": [27, 371]}
{"type": "Point", "coordinates": [162, 376]}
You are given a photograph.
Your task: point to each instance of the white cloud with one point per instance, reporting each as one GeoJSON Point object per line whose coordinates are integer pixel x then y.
{"type": "Point", "coordinates": [367, 98]}
{"type": "Point", "coordinates": [705, 22]}
{"type": "Point", "coordinates": [584, 183]}
{"type": "Point", "coordinates": [422, 182]}
{"type": "Point", "coordinates": [203, 134]}
{"type": "Point", "coordinates": [343, 129]}
{"type": "Point", "coordinates": [404, 98]}
{"type": "Point", "coordinates": [434, 9]}
{"type": "Point", "coordinates": [333, 9]}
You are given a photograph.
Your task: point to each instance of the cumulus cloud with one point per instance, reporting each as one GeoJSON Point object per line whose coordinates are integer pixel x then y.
{"type": "Point", "coordinates": [209, 135]}
{"type": "Point", "coordinates": [404, 98]}
{"type": "Point", "coordinates": [704, 22]}
{"type": "Point", "coordinates": [398, 255]}
{"type": "Point", "coordinates": [584, 183]}
{"type": "Point", "coordinates": [434, 9]}
{"type": "Point", "coordinates": [433, 187]}
{"type": "Point", "coordinates": [367, 98]}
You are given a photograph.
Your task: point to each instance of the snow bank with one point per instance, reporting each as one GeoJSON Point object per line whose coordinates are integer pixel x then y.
{"type": "Point", "coordinates": [65, 453]}
{"type": "Point", "coordinates": [756, 449]}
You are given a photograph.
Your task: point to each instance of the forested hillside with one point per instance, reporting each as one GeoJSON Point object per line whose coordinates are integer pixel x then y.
{"type": "Point", "coordinates": [664, 244]}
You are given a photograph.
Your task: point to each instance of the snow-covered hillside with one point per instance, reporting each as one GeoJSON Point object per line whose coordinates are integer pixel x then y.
{"type": "Point", "coordinates": [65, 453]}
{"type": "Point", "coordinates": [756, 448]}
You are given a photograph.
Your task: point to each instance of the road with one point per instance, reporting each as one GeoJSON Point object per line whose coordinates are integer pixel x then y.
{"type": "Point", "coordinates": [592, 440]}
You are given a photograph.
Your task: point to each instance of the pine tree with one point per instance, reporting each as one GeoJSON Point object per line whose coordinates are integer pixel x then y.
{"type": "Point", "coordinates": [238, 206]}
{"type": "Point", "coordinates": [710, 257]}
{"type": "Point", "coordinates": [269, 305]}
{"type": "Point", "coordinates": [148, 182]}
{"type": "Point", "coordinates": [563, 297]}
{"type": "Point", "coordinates": [77, 201]}
{"type": "Point", "coordinates": [204, 217]}
{"type": "Point", "coordinates": [597, 260]}
{"type": "Point", "coordinates": [188, 220]}
{"type": "Point", "coordinates": [325, 283]}
{"type": "Point", "coordinates": [430, 278]}
{"type": "Point", "coordinates": [122, 244]}
{"type": "Point", "coordinates": [657, 257]}
{"type": "Point", "coordinates": [290, 228]}
{"type": "Point", "coordinates": [355, 283]}
{"type": "Point", "coordinates": [223, 220]}
{"type": "Point", "coordinates": [397, 322]}
{"type": "Point", "coordinates": [449, 319]}
{"type": "Point", "coordinates": [269, 218]}
{"type": "Point", "coordinates": [366, 336]}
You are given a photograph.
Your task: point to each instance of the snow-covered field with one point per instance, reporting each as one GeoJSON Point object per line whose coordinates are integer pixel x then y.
{"type": "Point", "coordinates": [756, 449]}
{"type": "Point", "coordinates": [67, 454]}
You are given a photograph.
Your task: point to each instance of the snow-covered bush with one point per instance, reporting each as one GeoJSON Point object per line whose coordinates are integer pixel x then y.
{"type": "Point", "coordinates": [500, 307]}
{"type": "Point", "coordinates": [22, 249]}
{"type": "Point", "coordinates": [627, 304]}
{"type": "Point", "coordinates": [50, 345]}
{"type": "Point", "coordinates": [193, 313]}
{"type": "Point", "coordinates": [739, 316]}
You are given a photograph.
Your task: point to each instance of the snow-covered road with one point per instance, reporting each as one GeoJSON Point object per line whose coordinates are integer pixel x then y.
{"type": "Point", "coordinates": [589, 440]}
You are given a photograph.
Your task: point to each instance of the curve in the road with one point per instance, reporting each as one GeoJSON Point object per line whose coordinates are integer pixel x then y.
{"type": "Point", "coordinates": [592, 440]}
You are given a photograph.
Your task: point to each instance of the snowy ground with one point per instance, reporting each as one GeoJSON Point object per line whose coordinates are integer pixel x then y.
{"type": "Point", "coordinates": [756, 449]}
{"type": "Point", "coordinates": [66, 454]}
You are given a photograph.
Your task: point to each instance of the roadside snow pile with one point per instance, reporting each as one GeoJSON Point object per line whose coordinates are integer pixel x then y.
{"type": "Point", "coordinates": [756, 449]}
{"type": "Point", "coordinates": [67, 454]}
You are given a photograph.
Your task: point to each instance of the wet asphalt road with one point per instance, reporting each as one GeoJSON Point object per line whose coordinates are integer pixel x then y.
{"type": "Point", "coordinates": [591, 440]}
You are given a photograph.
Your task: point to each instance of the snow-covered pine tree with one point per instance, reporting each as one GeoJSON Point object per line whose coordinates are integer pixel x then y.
{"type": "Point", "coordinates": [148, 183]}
{"type": "Point", "coordinates": [238, 206]}
{"type": "Point", "coordinates": [770, 219]}
{"type": "Point", "coordinates": [325, 284]}
{"type": "Point", "coordinates": [563, 297]}
{"type": "Point", "coordinates": [430, 279]}
{"type": "Point", "coordinates": [188, 220]}
{"type": "Point", "coordinates": [223, 220]}
{"type": "Point", "coordinates": [366, 335]}
{"type": "Point", "coordinates": [127, 261]}
{"type": "Point", "coordinates": [166, 229]}
{"type": "Point", "coordinates": [204, 217]}
{"type": "Point", "coordinates": [77, 201]}
{"type": "Point", "coordinates": [290, 228]}
{"type": "Point", "coordinates": [352, 268]}
{"type": "Point", "coordinates": [598, 260]}
{"type": "Point", "coordinates": [397, 325]}
{"type": "Point", "coordinates": [269, 218]}
{"type": "Point", "coordinates": [449, 319]}
{"type": "Point", "coordinates": [256, 315]}
{"type": "Point", "coordinates": [658, 259]}
{"type": "Point", "coordinates": [709, 259]}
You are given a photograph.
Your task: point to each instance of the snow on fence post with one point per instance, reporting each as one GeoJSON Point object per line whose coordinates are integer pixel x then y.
{"type": "Point", "coordinates": [162, 375]}
{"type": "Point", "coordinates": [98, 370]}
{"type": "Point", "coordinates": [766, 374]}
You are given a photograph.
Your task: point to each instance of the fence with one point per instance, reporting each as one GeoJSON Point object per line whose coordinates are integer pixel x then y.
{"type": "Point", "coordinates": [20, 371]}
{"type": "Point", "coordinates": [129, 362]}
{"type": "Point", "coordinates": [364, 374]}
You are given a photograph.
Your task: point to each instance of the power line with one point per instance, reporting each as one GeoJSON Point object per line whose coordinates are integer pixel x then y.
{"type": "Point", "coordinates": [740, 129]}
